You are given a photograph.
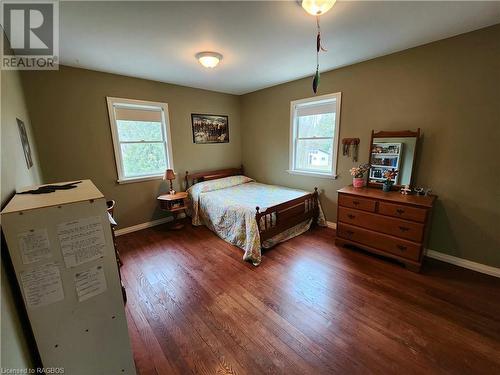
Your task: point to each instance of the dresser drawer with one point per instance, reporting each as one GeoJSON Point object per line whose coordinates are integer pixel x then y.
{"type": "Point", "coordinates": [403, 212]}
{"type": "Point", "coordinates": [390, 244]}
{"type": "Point", "coordinates": [355, 202]}
{"type": "Point", "coordinates": [385, 224]}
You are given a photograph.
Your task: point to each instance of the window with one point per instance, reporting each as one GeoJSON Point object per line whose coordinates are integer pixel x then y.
{"type": "Point", "coordinates": [314, 135]}
{"type": "Point", "coordinates": [141, 138]}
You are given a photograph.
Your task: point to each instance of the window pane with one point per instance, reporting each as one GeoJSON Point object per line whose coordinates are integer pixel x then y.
{"type": "Point", "coordinates": [316, 125]}
{"type": "Point", "coordinates": [139, 131]}
{"type": "Point", "coordinates": [314, 155]}
{"type": "Point", "coordinates": [143, 159]}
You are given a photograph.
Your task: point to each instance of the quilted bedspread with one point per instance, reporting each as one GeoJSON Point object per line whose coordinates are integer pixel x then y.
{"type": "Point", "coordinates": [227, 207]}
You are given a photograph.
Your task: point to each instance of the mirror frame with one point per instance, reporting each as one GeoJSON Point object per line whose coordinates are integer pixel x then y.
{"type": "Point", "coordinates": [393, 134]}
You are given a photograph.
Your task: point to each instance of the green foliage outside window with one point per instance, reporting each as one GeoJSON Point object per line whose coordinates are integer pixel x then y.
{"type": "Point", "coordinates": [315, 154]}
{"type": "Point", "coordinates": [147, 156]}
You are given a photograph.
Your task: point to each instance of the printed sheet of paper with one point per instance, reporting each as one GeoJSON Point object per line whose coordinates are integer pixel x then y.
{"type": "Point", "coordinates": [90, 283]}
{"type": "Point", "coordinates": [42, 285]}
{"type": "Point", "coordinates": [34, 245]}
{"type": "Point", "coordinates": [81, 240]}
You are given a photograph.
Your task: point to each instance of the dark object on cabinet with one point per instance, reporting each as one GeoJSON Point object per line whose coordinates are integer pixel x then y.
{"type": "Point", "coordinates": [46, 189]}
{"type": "Point", "coordinates": [389, 224]}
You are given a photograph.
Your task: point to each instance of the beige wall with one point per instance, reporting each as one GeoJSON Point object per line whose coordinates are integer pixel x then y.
{"type": "Point", "coordinates": [15, 173]}
{"type": "Point", "coordinates": [14, 349]}
{"type": "Point", "coordinates": [71, 125]}
{"type": "Point", "coordinates": [450, 89]}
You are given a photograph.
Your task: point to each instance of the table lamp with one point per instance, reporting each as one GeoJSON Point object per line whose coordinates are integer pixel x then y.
{"type": "Point", "coordinates": [170, 175]}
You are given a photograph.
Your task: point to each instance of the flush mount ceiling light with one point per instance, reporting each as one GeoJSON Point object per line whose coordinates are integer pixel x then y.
{"type": "Point", "coordinates": [209, 59]}
{"type": "Point", "coordinates": [317, 7]}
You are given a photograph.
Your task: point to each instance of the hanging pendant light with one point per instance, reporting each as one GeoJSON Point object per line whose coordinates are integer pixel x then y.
{"type": "Point", "coordinates": [317, 8]}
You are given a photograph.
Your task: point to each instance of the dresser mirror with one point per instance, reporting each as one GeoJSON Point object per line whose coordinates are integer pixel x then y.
{"type": "Point", "coordinates": [392, 150]}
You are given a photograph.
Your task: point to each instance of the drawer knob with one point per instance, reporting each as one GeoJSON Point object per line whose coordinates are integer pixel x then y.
{"type": "Point", "coordinates": [404, 229]}
{"type": "Point", "coordinates": [400, 211]}
{"type": "Point", "coordinates": [355, 203]}
{"type": "Point", "coordinates": [351, 216]}
{"type": "Point", "coordinates": [349, 233]}
{"type": "Point", "coordinates": [401, 247]}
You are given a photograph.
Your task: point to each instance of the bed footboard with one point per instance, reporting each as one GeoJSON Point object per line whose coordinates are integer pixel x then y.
{"type": "Point", "coordinates": [283, 216]}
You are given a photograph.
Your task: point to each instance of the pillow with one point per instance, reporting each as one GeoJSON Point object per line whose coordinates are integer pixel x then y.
{"type": "Point", "coordinates": [220, 183]}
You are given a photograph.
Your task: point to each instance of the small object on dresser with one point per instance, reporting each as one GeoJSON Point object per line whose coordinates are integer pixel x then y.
{"type": "Point", "coordinates": [419, 190]}
{"type": "Point", "coordinates": [406, 190]}
{"type": "Point", "coordinates": [423, 191]}
{"type": "Point", "coordinates": [174, 204]}
{"type": "Point", "coordinates": [390, 177]}
{"type": "Point", "coordinates": [358, 173]}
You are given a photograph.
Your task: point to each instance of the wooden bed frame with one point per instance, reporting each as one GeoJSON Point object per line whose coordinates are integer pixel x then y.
{"type": "Point", "coordinates": [275, 219]}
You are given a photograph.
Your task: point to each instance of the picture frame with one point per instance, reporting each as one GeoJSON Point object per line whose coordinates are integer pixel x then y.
{"type": "Point", "coordinates": [209, 128]}
{"type": "Point", "coordinates": [25, 143]}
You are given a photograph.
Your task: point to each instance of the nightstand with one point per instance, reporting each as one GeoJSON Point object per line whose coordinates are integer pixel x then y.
{"type": "Point", "coordinates": [175, 204]}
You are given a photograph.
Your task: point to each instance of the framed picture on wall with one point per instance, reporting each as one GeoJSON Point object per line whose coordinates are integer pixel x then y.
{"type": "Point", "coordinates": [210, 128]}
{"type": "Point", "coordinates": [25, 143]}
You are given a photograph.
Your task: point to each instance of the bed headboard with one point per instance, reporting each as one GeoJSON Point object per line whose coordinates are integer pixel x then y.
{"type": "Point", "coordinates": [194, 178]}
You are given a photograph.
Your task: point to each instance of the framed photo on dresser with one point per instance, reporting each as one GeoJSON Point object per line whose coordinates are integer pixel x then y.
{"type": "Point", "coordinates": [210, 128]}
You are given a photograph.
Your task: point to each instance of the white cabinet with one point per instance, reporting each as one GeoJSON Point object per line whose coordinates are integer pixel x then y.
{"type": "Point", "coordinates": [62, 250]}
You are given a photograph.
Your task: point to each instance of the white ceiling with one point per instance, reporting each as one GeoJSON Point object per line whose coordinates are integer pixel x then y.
{"type": "Point", "coordinates": [263, 43]}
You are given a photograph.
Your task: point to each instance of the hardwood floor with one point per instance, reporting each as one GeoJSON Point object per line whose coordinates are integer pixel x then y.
{"type": "Point", "coordinates": [310, 308]}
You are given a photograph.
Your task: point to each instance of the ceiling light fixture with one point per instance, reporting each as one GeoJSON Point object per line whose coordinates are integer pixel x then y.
{"type": "Point", "coordinates": [317, 7]}
{"type": "Point", "coordinates": [209, 59]}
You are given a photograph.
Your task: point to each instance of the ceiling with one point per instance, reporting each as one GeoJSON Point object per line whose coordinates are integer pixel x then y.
{"type": "Point", "coordinates": [263, 43]}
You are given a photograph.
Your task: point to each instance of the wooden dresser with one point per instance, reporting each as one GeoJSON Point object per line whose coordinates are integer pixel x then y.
{"type": "Point", "coordinates": [389, 224]}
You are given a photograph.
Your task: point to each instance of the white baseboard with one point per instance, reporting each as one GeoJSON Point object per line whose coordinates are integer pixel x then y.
{"type": "Point", "coordinates": [149, 224]}
{"type": "Point", "coordinates": [331, 225]}
{"type": "Point", "coordinates": [478, 267]}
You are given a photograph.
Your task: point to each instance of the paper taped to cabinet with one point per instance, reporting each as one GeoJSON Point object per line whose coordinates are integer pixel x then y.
{"type": "Point", "coordinates": [81, 240]}
{"type": "Point", "coordinates": [42, 285]}
{"type": "Point", "coordinates": [34, 245]}
{"type": "Point", "coordinates": [90, 283]}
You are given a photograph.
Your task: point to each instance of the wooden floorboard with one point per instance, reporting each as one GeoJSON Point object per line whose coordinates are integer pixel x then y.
{"type": "Point", "coordinates": [310, 308]}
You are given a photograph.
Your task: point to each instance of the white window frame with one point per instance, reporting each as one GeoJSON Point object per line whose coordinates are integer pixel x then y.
{"type": "Point", "coordinates": [294, 139]}
{"type": "Point", "coordinates": [167, 139]}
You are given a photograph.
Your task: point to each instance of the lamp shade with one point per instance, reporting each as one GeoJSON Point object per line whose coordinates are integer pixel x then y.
{"type": "Point", "coordinates": [169, 174]}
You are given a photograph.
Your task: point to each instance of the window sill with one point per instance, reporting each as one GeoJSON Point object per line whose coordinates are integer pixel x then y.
{"type": "Point", "coordinates": [313, 174]}
{"type": "Point", "coordinates": [139, 179]}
